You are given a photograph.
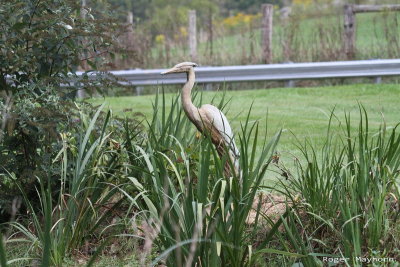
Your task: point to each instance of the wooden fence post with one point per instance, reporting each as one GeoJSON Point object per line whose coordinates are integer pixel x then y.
{"type": "Point", "coordinates": [130, 25]}
{"type": "Point", "coordinates": [210, 31]}
{"type": "Point", "coordinates": [267, 11]}
{"type": "Point", "coordinates": [128, 42]}
{"type": "Point", "coordinates": [350, 11]}
{"type": "Point", "coordinates": [80, 93]}
{"type": "Point", "coordinates": [349, 31]}
{"type": "Point", "coordinates": [287, 38]}
{"type": "Point", "coordinates": [192, 35]}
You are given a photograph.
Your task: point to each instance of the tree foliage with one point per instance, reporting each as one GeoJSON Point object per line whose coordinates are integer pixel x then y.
{"type": "Point", "coordinates": [42, 43]}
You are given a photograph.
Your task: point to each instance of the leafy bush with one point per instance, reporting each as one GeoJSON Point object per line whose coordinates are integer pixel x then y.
{"type": "Point", "coordinates": [85, 195]}
{"type": "Point", "coordinates": [42, 43]}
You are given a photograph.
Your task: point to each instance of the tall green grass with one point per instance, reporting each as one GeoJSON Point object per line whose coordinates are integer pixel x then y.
{"type": "Point", "coordinates": [341, 200]}
{"type": "Point", "coordinates": [195, 213]}
{"type": "Point", "coordinates": [75, 214]}
{"type": "Point", "coordinates": [349, 192]}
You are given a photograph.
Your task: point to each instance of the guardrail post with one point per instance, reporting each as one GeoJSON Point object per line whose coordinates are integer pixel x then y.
{"type": "Point", "coordinates": [349, 31]}
{"type": "Point", "coordinates": [378, 80]}
{"type": "Point", "coordinates": [192, 35]}
{"type": "Point", "coordinates": [290, 83]}
{"type": "Point", "coordinates": [267, 11]}
{"type": "Point", "coordinates": [139, 90]}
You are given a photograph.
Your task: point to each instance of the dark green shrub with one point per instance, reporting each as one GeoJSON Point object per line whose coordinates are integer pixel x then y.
{"type": "Point", "coordinates": [42, 42]}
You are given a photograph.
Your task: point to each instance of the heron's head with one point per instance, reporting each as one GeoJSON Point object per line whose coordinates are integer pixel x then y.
{"type": "Point", "coordinates": [181, 67]}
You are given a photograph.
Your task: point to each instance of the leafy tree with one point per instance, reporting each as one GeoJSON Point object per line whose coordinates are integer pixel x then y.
{"type": "Point", "coordinates": [42, 43]}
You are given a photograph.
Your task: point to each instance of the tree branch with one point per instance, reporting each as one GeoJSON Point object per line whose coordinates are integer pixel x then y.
{"type": "Point", "coordinates": [5, 115]}
{"type": "Point", "coordinates": [95, 55]}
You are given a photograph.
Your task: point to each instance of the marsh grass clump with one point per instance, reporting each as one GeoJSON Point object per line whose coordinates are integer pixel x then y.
{"type": "Point", "coordinates": [194, 214]}
{"type": "Point", "coordinates": [74, 213]}
{"type": "Point", "coordinates": [349, 192]}
{"type": "Point", "coordinates": [162, 197]}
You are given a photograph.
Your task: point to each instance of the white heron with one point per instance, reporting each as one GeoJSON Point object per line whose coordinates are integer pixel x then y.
{"type": "Point", "coordinates": [208, 119]}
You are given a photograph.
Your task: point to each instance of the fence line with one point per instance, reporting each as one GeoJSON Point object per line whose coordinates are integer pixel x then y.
{"type": "Point", "coordinates": [350, 23]}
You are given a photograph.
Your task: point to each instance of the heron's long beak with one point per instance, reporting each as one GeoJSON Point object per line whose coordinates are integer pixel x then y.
{"type": "Point", "coordinates": [171, 70]}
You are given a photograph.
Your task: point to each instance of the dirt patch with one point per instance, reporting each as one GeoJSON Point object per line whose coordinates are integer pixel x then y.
{"type": "Point", "coordinates": [272, 206]}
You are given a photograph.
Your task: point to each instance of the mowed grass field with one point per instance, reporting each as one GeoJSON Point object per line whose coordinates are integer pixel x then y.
{"type": "Point", "coordinates": [303, 113]}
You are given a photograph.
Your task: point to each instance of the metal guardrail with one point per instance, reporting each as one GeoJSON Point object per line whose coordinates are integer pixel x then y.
{"type": "Point", "coordinates": [271, 72]}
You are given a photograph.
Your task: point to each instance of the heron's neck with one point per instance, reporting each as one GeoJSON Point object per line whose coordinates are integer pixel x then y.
{"type": "Point", "coordinates": [190, 110]}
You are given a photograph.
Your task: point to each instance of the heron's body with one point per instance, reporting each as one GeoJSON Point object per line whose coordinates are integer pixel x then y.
{"type": "Point", "coordinates": [208, 119]}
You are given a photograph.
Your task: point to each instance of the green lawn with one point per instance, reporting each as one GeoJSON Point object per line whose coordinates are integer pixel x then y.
{"type": "Point", "coordinates": [301, 111]}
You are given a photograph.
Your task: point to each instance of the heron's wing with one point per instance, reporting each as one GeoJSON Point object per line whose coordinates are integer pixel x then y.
{"type": "Point", "coordinates": [220, 122]}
